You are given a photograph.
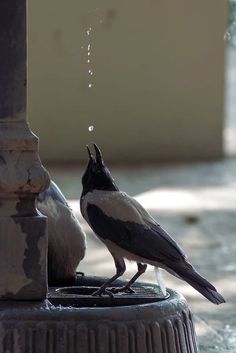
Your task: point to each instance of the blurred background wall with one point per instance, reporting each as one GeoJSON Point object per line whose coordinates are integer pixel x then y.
{"type": "Point", "coordinates": [156, 70]}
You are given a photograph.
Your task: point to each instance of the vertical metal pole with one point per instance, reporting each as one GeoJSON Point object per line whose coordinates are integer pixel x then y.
{"type": "Point", "coordinates": [23, 232]}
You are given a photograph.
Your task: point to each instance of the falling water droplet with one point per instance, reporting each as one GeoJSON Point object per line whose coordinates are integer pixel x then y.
{"type": "Point", "coordinates": [88, 31]}
{"type": "Point", "coordinates": [88, 53]}
{"type": "Point", "coordinates": [227, 36]}
{"type": "Point", "coordinates": [90, 128]}
{"type": "Point", "coordinates": [90, 72]}
{"type": "Point", "coordinates": [89, 46]}
{"type": "Point", "coordinates": [88, 61]}
{"type": "Point", "coordinates": [90, 85]}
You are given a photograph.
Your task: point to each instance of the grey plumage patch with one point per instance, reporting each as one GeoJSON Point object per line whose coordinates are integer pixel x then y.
{"type": "Point", "coordinates": [117, 205]}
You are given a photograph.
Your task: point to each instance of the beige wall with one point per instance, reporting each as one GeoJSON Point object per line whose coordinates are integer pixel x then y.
{"type": "Point", "coordinates": [157, 87]}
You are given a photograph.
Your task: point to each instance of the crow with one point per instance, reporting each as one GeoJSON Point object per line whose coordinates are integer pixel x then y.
{"type": "Point", "coordinates": [130, 232]}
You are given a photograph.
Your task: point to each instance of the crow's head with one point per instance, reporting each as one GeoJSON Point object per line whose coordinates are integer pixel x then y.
{"type": "Point", "coordinates": [97, 176]}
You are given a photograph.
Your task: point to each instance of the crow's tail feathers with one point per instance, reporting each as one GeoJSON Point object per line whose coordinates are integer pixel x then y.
{"type": "Point", "coordinates": [204, 287]}
{"type": "Point", "coordinates": [209, 293]}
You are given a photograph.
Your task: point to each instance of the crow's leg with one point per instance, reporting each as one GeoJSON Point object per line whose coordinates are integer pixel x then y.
{"type": "Point", "coordinates": [127, 288]}
{"type": "Point", "coordinates": [120, 269]}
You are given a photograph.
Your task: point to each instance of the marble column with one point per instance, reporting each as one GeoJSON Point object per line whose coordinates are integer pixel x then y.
{"type": "Point", "coordinates": [23, 231]}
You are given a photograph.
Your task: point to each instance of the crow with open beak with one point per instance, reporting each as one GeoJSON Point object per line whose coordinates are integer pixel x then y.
{"type": "Point", "coordinates": [130, 232]}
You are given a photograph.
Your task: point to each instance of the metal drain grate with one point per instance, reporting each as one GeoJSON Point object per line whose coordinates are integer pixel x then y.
{"type": "Point", "coordinates": [81, 296]}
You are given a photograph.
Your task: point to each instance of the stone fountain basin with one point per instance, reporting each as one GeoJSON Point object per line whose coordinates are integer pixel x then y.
{"type": "Point", "coordinates": [69, 321]}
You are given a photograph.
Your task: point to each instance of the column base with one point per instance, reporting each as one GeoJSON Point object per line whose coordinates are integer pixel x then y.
{"type": "Point", "coordinates": [23, 261]}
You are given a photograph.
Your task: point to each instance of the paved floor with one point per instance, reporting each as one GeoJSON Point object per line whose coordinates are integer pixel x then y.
{"type": "Point", "coordinates": [196, 204]}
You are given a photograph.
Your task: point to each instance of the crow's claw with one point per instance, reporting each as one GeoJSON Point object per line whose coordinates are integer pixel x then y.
{"type": "Point", "coordinates": [102, 291]}
{"type": "Point", "coordinates": [124, 289]}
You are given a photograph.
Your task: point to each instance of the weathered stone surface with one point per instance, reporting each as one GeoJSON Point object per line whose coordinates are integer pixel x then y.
{"type": "Point", "coordinates": [23, 265]}
{"type": "Point", "coordinates": [23, 232]}
{"type": "Point", "coordinates": [161, 327]}
{"type": "Point", "coordinates": [66, 238]}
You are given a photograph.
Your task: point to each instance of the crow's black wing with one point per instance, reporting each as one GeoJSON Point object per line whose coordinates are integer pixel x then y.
{"type": "Point", "coordinates": [147, 240]}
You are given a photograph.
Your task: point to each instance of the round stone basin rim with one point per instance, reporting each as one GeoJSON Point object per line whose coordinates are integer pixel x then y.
{"type": "Point", "coordinates": [81, 296]}
{"type": "Point", "coordinates": [13, 310]}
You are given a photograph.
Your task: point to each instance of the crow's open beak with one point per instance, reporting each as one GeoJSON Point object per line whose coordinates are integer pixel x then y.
{"type": "Point", "coordinates": [91, 158]}
{"type": "Point", "coordinates": [98, 154]}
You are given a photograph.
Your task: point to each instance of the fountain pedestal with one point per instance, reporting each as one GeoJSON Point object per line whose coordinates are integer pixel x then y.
{"type": "Point", "coordinates": [154, 326]}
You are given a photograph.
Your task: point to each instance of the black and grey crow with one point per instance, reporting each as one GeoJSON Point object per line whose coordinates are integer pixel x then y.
{"type": "Point", "coordinates": [66, 238]}
{"type": "Point", "coordinates": [130, 232]}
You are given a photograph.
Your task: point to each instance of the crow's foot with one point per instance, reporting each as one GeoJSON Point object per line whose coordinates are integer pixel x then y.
{"type": "Point", "coordinates": [102, 291]}
{"type": "Point", "coordinates": [124, 289]}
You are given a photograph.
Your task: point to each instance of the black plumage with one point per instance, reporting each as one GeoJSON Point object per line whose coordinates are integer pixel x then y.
{"type": "Point", "coordinates": [129, 231]}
